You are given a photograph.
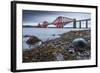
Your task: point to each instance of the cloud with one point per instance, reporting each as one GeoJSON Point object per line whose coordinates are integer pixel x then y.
{"type": "Point", "coordinates": [34, 17]}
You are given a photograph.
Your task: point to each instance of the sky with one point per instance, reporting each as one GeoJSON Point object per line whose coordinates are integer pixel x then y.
{"type": "Point", "coordinates": [33, 17]}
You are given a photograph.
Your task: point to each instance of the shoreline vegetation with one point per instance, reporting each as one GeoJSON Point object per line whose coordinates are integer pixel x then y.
{"type": "Point", "coordinates": [59, 49]}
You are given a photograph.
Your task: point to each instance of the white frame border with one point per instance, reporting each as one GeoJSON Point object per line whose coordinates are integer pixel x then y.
{"type": "Point", "coordinates": [21, 65]}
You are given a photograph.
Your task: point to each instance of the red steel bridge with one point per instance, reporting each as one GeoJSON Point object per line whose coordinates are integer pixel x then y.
{"type": "Point", "coordinates": [60, 22]}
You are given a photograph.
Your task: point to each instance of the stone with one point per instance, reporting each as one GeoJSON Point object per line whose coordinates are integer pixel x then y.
{"type": "Point", "coordinates": [32, 40]}
{"type": "Point", "coordinates": [79, 42]}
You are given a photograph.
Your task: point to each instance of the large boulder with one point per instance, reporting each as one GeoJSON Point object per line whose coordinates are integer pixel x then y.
{"type": "Point", "coordinates": [33, 40]}
{"type": "Point", "coordinates": [79, 42]}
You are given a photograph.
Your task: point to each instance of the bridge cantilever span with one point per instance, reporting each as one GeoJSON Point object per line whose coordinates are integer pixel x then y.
{"type": "Point", "coordinates": [61, 21]}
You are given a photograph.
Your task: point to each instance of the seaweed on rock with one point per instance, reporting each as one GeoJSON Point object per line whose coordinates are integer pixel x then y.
{"type": "Point", "coordinates": [32, 40]}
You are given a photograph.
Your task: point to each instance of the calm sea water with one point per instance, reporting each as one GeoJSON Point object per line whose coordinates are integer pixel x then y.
{"type": "Point", "coordinates": [43, 33]}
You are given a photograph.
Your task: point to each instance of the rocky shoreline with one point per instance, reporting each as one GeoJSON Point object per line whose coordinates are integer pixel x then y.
{"type": "Point", "coordinates": [60, 49]}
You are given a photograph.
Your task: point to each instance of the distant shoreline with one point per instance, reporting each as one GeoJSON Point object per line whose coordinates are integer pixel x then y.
{"type": "Point", "coordinates": [27, 26]}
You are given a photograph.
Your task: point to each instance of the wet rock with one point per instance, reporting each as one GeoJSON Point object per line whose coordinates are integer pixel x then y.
{"type": "Point", "coordinates": [73, 45]}
{"type": "Point", "coordinates": [46, 53]}
{"type": "Point", "coordinates": [59, 56]}
{"type": "Point", "coordinates": [32, 41]}
{"type": "Point", "coordinates": [71, 50]}
{"type": "Point", "coordinates": [79, 42]}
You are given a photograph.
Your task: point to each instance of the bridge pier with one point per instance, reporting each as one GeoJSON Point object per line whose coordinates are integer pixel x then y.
{"type": "Point", "coordinates": [86, 23]}
{"type": "Point", "coordinates": [79, 24]}
{"type": "Point", "coordinates": [74, 23]}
